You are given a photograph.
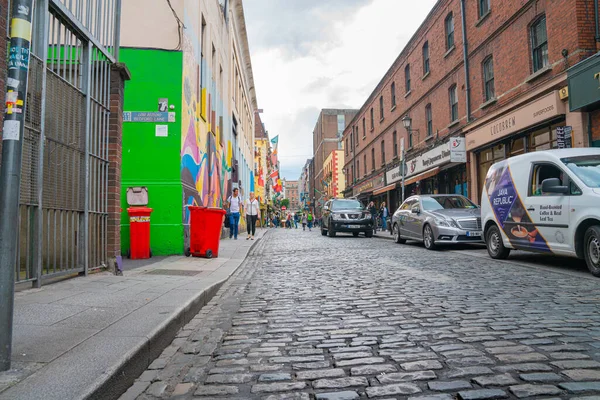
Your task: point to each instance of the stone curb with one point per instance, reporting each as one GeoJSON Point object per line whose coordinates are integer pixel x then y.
{"type": "Point", "coordinates": [116, 380]}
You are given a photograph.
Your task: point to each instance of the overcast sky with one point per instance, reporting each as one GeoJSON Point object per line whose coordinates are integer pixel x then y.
{"type": "Point", "coordinates": [314, 54]}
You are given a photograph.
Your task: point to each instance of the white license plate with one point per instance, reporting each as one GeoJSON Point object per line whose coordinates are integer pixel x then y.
{"type": "Point", "coordinates": [353, 226]}
{"type": "Point", "coordinates": [477, 233]}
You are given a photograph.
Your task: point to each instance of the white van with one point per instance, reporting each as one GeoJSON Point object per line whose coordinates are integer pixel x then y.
{"type": "Point", "coordinates": [547, 202]}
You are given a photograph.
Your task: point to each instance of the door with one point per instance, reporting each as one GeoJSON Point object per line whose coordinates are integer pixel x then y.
{"type": "Point", "coordinates": [545, 224]}
{"type": "Point", "coordinates": [404, 214]}
{"type": "Point", "coordinates": [415, 224]}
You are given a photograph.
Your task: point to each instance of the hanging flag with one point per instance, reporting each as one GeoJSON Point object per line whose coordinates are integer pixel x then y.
{"type": "Point", "coordinates": [274, 158]}
{"type": "Point", "coordinates": [274, 175]}
{"type": "Point", "coordinates": [275, 140]}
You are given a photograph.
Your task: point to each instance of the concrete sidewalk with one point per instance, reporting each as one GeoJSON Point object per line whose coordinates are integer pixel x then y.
{"type": "Point", "coordinates": [90, 337]}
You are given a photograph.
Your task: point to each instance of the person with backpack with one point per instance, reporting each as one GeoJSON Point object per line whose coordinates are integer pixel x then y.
{"type": "Point", "coordinates": [304, 221]}
{"type": "Point", "coordinates": [235, 208]}
{"type": "Point", "coordinates": [309, 218]}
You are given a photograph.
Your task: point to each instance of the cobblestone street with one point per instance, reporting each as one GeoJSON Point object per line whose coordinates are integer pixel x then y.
{"type": "Point", "coordinates": [310, 317]}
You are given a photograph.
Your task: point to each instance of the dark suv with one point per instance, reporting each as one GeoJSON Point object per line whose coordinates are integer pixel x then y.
{"type": "Point", "coordinates": [346, 215]}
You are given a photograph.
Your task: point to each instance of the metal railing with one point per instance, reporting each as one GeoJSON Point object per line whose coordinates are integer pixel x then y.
{"type": "Point", "coordinates": [64, 179]}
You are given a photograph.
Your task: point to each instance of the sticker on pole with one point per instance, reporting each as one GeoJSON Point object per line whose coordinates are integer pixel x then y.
{"type": "Point", "coordinates": [11, 130]}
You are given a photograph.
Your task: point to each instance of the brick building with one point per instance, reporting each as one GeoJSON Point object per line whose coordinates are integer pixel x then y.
{"type": "Point", "coordinates": [327, 137]}
{"type": "Point", "coordinates": [335, 181]}
{"type": "Point", "coordinates": [291, 193]}
{"type": "Point", "coordinates": [461, 99]}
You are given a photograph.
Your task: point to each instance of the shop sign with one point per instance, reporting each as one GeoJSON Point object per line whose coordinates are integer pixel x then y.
{"type": "Point", "coordinates": [534, 113]}
{"type": "Point", "coordinates": [563, 137]}
{"type": "Point", "coordinates": [453, 151]}
{"type": "Point", "coordinates": [458, 150]}
{"type": "Point", "coordinates": [584, 84]}
{"type": "Point", "coordinates": [370, 185]}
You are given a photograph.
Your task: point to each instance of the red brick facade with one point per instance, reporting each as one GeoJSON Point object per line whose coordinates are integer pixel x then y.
{"type": "Point", "coordinates": [504, 34]}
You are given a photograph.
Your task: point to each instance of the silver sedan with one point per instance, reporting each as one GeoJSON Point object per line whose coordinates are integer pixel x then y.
{"type": "Point", "coordinates": [437, 219]}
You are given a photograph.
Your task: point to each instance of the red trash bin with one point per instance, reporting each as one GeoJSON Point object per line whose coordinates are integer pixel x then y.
{"type": "Point", "coordinates": [139, 233]}
{"type": "Point", "coordinates": [205, 231]}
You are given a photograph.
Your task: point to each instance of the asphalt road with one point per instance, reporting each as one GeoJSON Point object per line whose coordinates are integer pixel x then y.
{"type": "Point", "coordinates": [311, 317]}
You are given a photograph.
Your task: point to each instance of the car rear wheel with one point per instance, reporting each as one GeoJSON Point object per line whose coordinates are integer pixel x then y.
{"type": "Point", "coordinates": [495, 245]}
{"type": "Point", "coordinates": [331, 232]}
{"type": "Point", "coordinates": [369, 234]}
{"type": "Point", "coordinates": [428, 239]}
{"type": "Point", "coordinates": [355, 234]}
{"type": "Point", "coordinates": [396, 232]}
{"type": "Point", "coordinates": [592, 249]}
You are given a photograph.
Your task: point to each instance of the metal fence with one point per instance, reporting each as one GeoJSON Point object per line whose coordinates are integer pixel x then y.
{"type": "Point", "coordinates": [64, 179]}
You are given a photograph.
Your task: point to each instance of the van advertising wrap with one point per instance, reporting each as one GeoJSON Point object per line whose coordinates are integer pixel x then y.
{"type": "Point", "coordinates": [509, 211]}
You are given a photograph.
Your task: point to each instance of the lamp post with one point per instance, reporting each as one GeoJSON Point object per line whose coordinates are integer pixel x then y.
{"type": "Point", "coordinates": [407, 123]}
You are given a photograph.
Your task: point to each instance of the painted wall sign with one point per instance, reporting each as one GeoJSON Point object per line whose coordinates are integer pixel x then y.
{"type": "Point", "coordinates": [370, 185]}
{"type": "Point", "coordinates": [541, 110]}
{"type": "Point", "coordinates": [148, 116]}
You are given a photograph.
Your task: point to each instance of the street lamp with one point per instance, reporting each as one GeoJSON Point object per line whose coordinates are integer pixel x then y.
{"type": "Point", "coordinates": [407, 123]}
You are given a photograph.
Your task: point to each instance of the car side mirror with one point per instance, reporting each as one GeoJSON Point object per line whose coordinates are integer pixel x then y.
{"type": "Point", "coordinates": [553, 185]}
{"type": "Point", "coordinates": [416, 210]}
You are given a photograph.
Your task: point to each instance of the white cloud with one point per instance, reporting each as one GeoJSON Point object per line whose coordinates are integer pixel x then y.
{"type": "Point", "coordinates": [337, 64]}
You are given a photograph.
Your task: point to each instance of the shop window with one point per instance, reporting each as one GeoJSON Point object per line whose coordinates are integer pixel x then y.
{"type": "Point", "coordinates": [543, 139]}
{"type": "Point", "coordinates": [486, 158]}
{"type": "Point", "coordinates": [539, 44]}
{"type": "Point", "coordinates": [517, 146]}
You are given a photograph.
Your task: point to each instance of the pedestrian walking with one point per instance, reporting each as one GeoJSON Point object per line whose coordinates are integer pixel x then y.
{"type": "Point", "coordinates": [235, 208]}
{"type": "Point", "coordinates": [309, 218]}
{"type": "Point", "coordinates": [296, 218]}
{"type": "Point", "coordinates": [373, 210]}
{"type": "Point", "coordinates": [304, 221]}
{"type": "Point", "coordinates": [252, 207]}
{"type": "Point", "coordinates": [384, 216]}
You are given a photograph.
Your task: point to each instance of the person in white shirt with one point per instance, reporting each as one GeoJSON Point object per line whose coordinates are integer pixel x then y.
{"type": "Point", "coordinates": [252, 207]}
{"type": "Point", "coordinates": [235, 208]}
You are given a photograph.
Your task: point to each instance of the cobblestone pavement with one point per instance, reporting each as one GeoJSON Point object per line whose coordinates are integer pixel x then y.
{"type": "Point", "coordinates": [346, 318]}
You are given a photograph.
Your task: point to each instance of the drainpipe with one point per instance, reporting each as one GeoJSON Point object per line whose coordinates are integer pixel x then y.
{"type": "Point", "coordinates": [466, 58]}
{"type": "Point", "coordinates": [596, 18]}
{"type": "Point", "coordinates": [589, 130]}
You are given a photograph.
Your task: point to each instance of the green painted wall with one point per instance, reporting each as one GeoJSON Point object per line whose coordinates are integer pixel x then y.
{"type": "Point", "coordinates": [153, 161]}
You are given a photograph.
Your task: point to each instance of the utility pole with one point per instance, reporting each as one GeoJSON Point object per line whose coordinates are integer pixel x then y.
{"type": "Point", "coordinates": [10, 171]}
{"type": "Point", "coordinates": [402, 166]}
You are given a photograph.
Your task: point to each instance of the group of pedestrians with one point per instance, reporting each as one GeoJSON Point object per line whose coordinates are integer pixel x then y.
{"type": "Point", "coordinates": [236, 208]}
{"type": "Point", "coordinates": [380, 212]}
{"type": "Point", "coordinates": [291, 220]}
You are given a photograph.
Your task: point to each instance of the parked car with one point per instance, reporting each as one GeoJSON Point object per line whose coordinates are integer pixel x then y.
{"type": "Point", "coordinates": [546, 202]}
{"type": "Point", "coordinates": [346, 215]}
{"type": "Point", "coordinates": [437, 219]}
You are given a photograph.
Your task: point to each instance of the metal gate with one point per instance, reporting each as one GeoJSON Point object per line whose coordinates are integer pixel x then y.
{"type": "Point", "coordinates": [64, 179]}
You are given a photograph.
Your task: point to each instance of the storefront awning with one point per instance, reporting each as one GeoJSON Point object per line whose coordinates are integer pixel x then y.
{"type": "Point", "coordinates": [384, 189]}
{"type": "Point", "coordinates": [424, 175]}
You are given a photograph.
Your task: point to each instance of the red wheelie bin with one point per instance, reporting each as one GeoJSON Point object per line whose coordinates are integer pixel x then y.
{"type": "Point", "coordinates": [205, 231]}
{"type": "Point", "coordinates": [139, 222]}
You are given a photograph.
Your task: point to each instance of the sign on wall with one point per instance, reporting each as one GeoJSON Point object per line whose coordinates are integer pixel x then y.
{"type": "Point", "coordinates": [148, 116]}
{"type": "Point", "coordinates": [458, 150]}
